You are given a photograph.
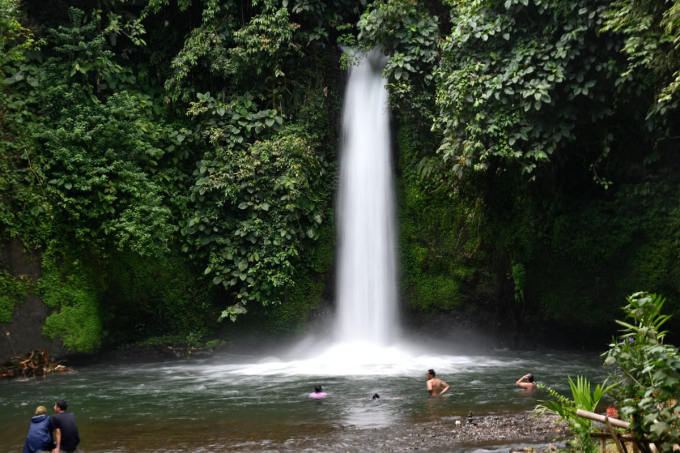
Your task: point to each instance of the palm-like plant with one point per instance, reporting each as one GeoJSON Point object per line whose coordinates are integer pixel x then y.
{"type": "Point", "coordinates": [566, 408]}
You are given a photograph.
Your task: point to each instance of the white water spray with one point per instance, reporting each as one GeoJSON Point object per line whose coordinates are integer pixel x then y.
{"type": "Point", "coordinates": [366, 295]}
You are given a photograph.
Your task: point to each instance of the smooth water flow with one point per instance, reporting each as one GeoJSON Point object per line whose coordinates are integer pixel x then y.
{"type": "Point", "coordinates": [366, 295]}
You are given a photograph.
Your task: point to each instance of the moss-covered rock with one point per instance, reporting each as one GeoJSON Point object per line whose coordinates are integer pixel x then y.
{"type": "Point", "coordinates": [439, 238]}
{"type": "Point", "coordinates": [12, 291]}
{"type": "Point", "coordinates": [72, 289]}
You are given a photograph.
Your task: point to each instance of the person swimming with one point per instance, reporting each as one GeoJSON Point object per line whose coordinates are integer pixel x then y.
{"type": "Point", "coordinates": [318, 392]}
{"type": "Point", "coordinates": [436, 387]}
{"type": "Point", "coordinates": [526, 382]}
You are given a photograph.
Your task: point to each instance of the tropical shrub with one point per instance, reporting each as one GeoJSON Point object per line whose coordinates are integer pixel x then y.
{"type": "Point", "coordinates": [257, 210]}
{"type": "Point", "coordinates": [12, 291]}
{"type": "Point", "coordinates": [648, 372]}
{"type": "Point", "coordinates": [505, 69]}
{"type": "Point", "coordinates": [651, 36]}
{"type": "Point", "coordinates": [566, 408]}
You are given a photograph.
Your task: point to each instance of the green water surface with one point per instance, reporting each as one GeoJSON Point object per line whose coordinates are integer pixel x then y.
{"type": "Point", "coordinates": [226, 403]}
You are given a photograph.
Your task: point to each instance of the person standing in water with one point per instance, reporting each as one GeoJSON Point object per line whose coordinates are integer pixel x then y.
{"type": "Point", "coordinates": [526, 382]}
{"type": "Point", "coordinates": [435, 386]}
{"type": "Point", "coordinates": [318, 392]}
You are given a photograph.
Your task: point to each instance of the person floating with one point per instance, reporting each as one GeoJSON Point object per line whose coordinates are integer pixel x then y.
{"type": "Point", "coordinates": [65, 428]}
{"type": "Point", "coordinates": [526, 382]}
{"type": "Point", "coordinates": [435, 386]}
{"type": "Point", "coordinates": [318, 392]}
{"type": "Point", "coordinates": [39, 436]}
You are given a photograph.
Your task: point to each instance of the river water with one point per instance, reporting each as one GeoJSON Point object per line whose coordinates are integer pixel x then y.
{"type": "Point", "coordinates": [231, 403]}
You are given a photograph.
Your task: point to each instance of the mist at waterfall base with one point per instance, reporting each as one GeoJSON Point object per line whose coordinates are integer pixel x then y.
{"type": "Point", "coordinates": [241, 402]}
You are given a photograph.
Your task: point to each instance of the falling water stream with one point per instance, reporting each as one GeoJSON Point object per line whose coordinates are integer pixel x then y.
{"type": "Point", "coordinates": [260, 402]}
{"type": "Point", "coordinates": [367, 277]}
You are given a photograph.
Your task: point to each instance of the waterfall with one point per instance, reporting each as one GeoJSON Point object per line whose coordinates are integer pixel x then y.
{"type": "Point", "coordinates": [367, 277]}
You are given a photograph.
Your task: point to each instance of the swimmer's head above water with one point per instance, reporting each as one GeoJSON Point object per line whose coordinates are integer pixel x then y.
{"type": "Point", "coordinates": [318, 392]}
{"type": "Point", "coordinates": [527, 382]}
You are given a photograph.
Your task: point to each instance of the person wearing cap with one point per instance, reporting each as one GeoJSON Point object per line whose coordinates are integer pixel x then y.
{"type": "Point", "coordinates": [65, 428]}
{"type": "Point", "coordinates": [39, 436]}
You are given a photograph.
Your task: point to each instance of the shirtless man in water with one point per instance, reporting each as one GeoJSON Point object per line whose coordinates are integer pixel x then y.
{"type": "Point", "coordinates": [435, 386]}
{"type": "Point", "coordinates": [526, 382]}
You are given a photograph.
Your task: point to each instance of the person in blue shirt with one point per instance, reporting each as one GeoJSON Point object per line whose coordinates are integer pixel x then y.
{"type": "Point", "coordinates": [40, 432]}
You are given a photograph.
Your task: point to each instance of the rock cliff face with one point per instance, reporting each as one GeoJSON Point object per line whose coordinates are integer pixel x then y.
{"type": "Point", "coordinates": [24, 333]}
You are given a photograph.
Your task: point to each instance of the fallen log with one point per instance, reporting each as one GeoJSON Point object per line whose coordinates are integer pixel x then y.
{"type": "Point", "coordinates": [37, 363]}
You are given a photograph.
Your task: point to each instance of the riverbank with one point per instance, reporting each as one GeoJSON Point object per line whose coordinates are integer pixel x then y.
{"type": "Point", "coordinates": [489, 433]}
{"type": "Point", "coordinates": [486, 433]}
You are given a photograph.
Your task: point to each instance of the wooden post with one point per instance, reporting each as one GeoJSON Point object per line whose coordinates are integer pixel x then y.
{"type": "Point", "coordinates": [10, 344]}
{"type": "Point", "coordinates": [643, 445]}
{"type": "Point", "coordinates": [615, 436]}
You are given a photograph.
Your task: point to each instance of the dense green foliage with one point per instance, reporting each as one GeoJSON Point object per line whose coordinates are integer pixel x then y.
{"type": "Point", "coordinates": [651, 30]}
{"type": "Point", "coordinates": [443, 266]}
{"type": "Point", "coordinates": [156, 297]}
{"type": "Point", "coordinates": [278, 190]}
{"type": "Point", "coordinates": [71, 287]}
{"type": "Point", "coordinates": [15, 38]}
{"type": "Point", "coordinates": [533, 122]}
{"type": "Point", "coordinates": [12, 291]}
{"type": "Point", "coordinates": [176, 160]}
{"type": "Point", "coordinates": [137, 181]}
{"type": "Point", "coordinates": [510, 92]}
{"type": "Point", "coordinates": [646, 383]}
{"type": "Point", "coordinates": [647, 370]}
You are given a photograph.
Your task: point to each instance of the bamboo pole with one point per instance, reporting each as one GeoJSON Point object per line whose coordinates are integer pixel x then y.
{"type": "Point", "coordinates": [10, 344]}
{"type": "Point", "coordinates": [602, 418]}
{"type": "Point", "coordinates": [619, 446]}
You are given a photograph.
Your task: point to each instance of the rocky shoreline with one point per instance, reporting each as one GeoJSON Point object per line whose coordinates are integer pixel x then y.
{"type": "Point", "coordinates": [502, 432]}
